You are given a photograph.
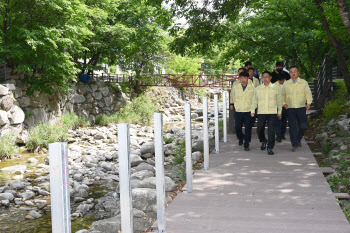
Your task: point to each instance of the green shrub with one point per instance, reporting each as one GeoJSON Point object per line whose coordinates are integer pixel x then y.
{"type": "Point", "coordinates": [179, 152]}
{"type": "Point", "coordinates": [168, 140]}
{"type": "Point", "coordinates": [140, 110]}
{"type": "Point", "coordinates": [8, 147]}
{"type": "Point", "coordinates": [41, 135]}
{"type": "Point", "coordinates": [339, 104]}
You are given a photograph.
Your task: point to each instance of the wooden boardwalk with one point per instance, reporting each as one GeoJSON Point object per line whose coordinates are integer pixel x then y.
{"type": "Point", "coordinates": [252, 192]}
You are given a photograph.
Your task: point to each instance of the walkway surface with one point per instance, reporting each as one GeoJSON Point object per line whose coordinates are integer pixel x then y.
{"type": "Point", "coordinates": [257, 193]}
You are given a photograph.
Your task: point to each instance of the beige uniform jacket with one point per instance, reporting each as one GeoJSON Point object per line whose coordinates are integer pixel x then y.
{"type": "Point", "coordinates": [267, 99]}
{"type": "Point", "coordinates": [242, 99]}
{"type": "Point", "coordinates": [296, 95]}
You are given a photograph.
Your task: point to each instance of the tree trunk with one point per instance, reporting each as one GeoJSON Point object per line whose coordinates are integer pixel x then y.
{"type": "Point", "coordinates": [336, 44]}
{"type": "Point", "coordinates": [344, 13]}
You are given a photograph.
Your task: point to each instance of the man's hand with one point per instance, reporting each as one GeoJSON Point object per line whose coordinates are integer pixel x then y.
{"type": "Point", "coordinates": [285, 106]}
{"type": "Point", "coordinates": [231, 107]}
{"type": "Point", "coordinates": [308, 106]}
{"type": "Point", "coordinates": [252, 114]}
{"type": "Point", "coordinates": [279, 116]}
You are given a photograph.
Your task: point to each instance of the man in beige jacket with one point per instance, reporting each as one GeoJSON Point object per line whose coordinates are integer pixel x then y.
{"type": "Point", "coordinates": [297, 98]}
{"type": "Point", "coordinates": [241, 100]}
{"type": "Point", "coordinates": [267, 98]}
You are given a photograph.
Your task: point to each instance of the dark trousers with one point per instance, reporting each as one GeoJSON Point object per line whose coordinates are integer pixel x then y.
{"type": "Point", "coordinates": [297, 124]}
{"type": "Point", "coordinates": [281, 125]}
{"type": "Point", "coordinates": [240, 118]}
{"type": "Point", "coordinates": [270, 119]}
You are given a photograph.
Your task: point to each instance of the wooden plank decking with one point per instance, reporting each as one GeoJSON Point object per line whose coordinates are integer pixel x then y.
{"type": "Point", "coordinates": [252, 192]}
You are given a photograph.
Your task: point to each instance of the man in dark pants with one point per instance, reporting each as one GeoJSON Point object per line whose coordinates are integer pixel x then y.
{"type": "Point", "coordinates": [267, 98]}
{"type": "Point", "coordinates": [281, 124]}
{"type": "Point", "coordinates": [295, 95]}
{"type": "Point", "coordinates": [241, 99]}
{"type": "Point", "coordinates": [232, 111]}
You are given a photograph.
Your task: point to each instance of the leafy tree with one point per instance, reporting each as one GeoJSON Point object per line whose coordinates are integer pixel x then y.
{"type": "Point", "coordinates": [36, 38]}
{"type": "Point", "coordinates": [337, 39]}
{"type": "Point", "coordinates": [148, 40]}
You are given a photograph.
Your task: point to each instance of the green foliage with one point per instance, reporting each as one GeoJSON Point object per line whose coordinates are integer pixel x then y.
{"type": "Point", "coordinates": [183, 65]}
{"type": "Point", "coordinates": [182, 175]}
{"type": "Point", "coordinates": [51, 42]}
{"type": "Point", "coordinates": [179, 151]}
{"type": "Point", "coordinates": [168, 140]}
{"type": "Point", "coordinates": [140, 110]}
{"type": "Point", "coordinates": [339, 105]}
{"type": "Point", "coordinates": [45, 133]}
{"type": "Point", "coordinates": [41, 48]}
{"type": "Point", "coordinates": [8, 147]}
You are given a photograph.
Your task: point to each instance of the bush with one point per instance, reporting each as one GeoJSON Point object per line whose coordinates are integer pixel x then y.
{"type": "Point", "coordinates": [179, 152]}
{"type": "Point", "coordinates": [140, 110]}
{"type": "Point", "coordinates": [8, 147]}
{"type": "Point", "coordinates": [45, 133]}
{"type": "Point", "coordinates": [339, 103]}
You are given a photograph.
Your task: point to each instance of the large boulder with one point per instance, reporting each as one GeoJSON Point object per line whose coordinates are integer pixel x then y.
{"type": "Point", "coordinates": [3, 90]}
{"type": "Point", "coordinates": [344, 126]}
{"type": "Point", "coordinates": [6, 196]}
{"type": "Point", "coordinates": [147, 147]}
{"type": "Point", "coordinates": [151, 183]}
{"type": "Point", "coordinates": [144, 199]}
{"type": "Point", "coordinates": [18, 115]}
{"type": "Point", "coordinates": [6, 103]}
{"type": "Point", "coordinates": [16, 185]}
{"type": "Point", "coordinates": [135, 160]}
{"type": "Point", "coordinates": [3, 118]}
{"type": "Point", "coordinates": [110, 225]}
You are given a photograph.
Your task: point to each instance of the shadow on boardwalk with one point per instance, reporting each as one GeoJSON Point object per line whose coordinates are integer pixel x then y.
{"type": "Point", "coordinates": [252, 192]}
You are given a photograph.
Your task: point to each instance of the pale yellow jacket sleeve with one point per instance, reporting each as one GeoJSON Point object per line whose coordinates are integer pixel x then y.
{"type": "Point", "coordinates": [254, 102]}
{"type": "Point", "coordinates": [279, 101]}
{"type": "Point", "coordinates": [232, 95]}
{"type": "Point", "coordinates": [308, 94]}
{"type": "Point", "coordinates": [283, 94]}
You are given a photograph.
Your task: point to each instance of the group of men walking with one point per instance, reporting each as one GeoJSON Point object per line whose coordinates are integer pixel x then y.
{"type": "Point", "coordinates": [273, 99]}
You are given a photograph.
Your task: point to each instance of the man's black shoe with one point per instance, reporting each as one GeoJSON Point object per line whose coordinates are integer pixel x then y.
{"type": "Point", "coordinates": [278, 139]}
{"type": "Point", "coordinates": [240, 142]}
{"type": "Point", "coordinates": [270, 152]}
{"type": "Point", "coordinates": [246, 148]}
{"type": "Point", "coordinates": [283, 138]}
{"type": "Point", "coordinates": [263, 145]}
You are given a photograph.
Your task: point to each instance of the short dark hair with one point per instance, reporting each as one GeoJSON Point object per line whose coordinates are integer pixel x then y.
{"type": "Point", "coordinates": [243, 74]}
{"type": "Point", "coordinates": [294, 67]}
{"type": "Point", "coordinates": [266, 72]}
{"type": "Point", "coordinates": [280, 77]}
{"type": "Point", "coordinates": [242, 68]}
{"type": "Point", "coordinates": [247, 63]}
{"type": "Point", "coordinates": [251, 68]}
{"type": "Point", "coordinates": [279, 63]}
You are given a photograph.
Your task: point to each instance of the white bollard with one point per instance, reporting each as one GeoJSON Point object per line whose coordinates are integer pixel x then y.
{"type": "Point", "coordinates": [205, 133]}
{"type": "Point", "coordinates": [159, 156]}
{"type": "Point", "coordinates": [59, 187]}
{"type": "Point", "coordinates": [124, 178]}
{"type": "Point", "coordinates": [188, 140]}
{"type": "Point", "coordinates": [224, 112]}
{"type": "Point", "coordinates": [216, 106]}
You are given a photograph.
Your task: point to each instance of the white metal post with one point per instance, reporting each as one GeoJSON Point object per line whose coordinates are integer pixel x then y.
{"type": "Point", "coordinates": [124, 178]}
{"type": "Point", "coordinates": [205, 134]}
{"type": "Point", "coordinates": [216, 106]}
{"type": "Point", "coordinates": [188, 138]}
{"type": "Point", "coordinates": [224, 112]}
{"type": "Point", "coordinates": [59, 187]}
{"type": "Point", "coordinates": [159, 157]}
